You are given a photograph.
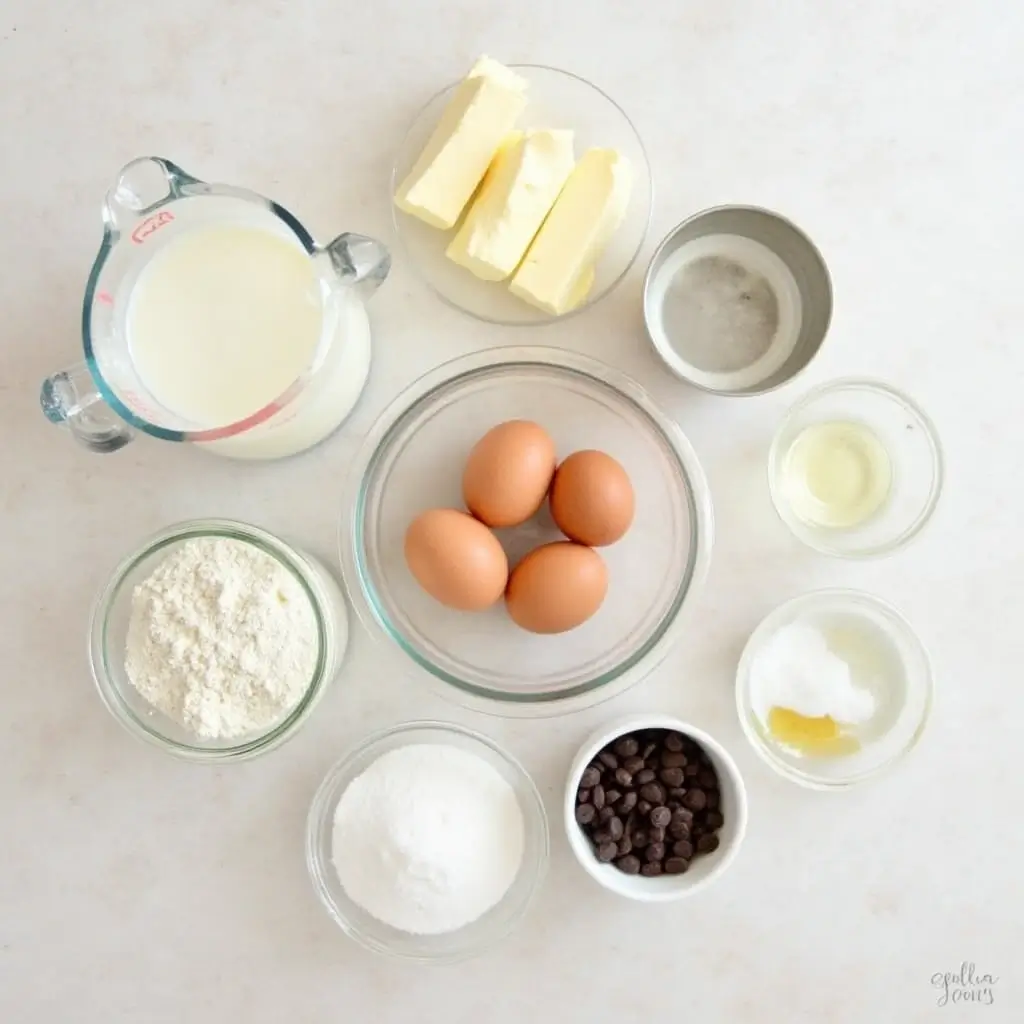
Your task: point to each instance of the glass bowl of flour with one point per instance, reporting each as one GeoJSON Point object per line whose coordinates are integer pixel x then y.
{"type": "Point", "coordinates": [215, 640]}
{"type": "Point", "coordinates": [427, 842]}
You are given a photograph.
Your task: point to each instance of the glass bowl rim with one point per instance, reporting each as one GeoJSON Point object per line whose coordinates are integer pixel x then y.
{"type": "Point", "coordinates": [893, 394]}
{"type": "Point", "coordinates": [362, 593]}
{"type": "Point", "coordinates": [113, 587]}
{"type": "Point", "coordinates": [783, 613]}
{"type": "Point", "coordinates": [592, 299]}
{"type": "Point", "coordinates": [329, 791]}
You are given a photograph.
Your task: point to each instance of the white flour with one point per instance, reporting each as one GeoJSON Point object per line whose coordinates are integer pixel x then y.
{"type": "Point", "coordinates": [222, 638]}
{"type": "Point", "coordinates": [428, 838]}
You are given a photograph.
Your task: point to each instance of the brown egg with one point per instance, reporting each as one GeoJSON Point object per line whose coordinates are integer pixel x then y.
{"type": "Point", "coordinates": [592, 499]}
{"type": "Point", "coordinates": [508, 473]}
{"type": "Point", "coordinates": [556, 587]}
{"type": "Point", "coordinates": [456, 559]}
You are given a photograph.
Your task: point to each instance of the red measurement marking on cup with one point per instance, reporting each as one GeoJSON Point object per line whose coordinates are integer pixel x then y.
{"type": "Point", "coordinates": [151, 224]}
{"type": "Point", "coordinates": [106, 298]}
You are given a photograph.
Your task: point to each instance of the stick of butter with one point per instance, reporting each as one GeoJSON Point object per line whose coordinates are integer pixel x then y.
{"type": "Point", "coordinates": [518, 190]}
{"type": "Point", "coordinates": [558, 270]}
{"type": "Point", "coordinates": [482, 110]}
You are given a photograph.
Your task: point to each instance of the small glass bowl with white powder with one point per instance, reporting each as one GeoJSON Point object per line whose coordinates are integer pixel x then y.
{"type": "Point", "coordinates": [215, 640]}
{"type": "Point", "coordinates": [427, 842]}
{"type": "Point", "coordinates": [833, 688]}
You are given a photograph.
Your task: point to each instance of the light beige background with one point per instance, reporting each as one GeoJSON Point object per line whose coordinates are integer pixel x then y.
{"type": "Point", "coordinates": [134, 888]}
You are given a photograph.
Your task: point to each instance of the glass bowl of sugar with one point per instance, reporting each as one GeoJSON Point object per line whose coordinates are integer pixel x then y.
{"type": "Point", "coordinates": [427, 842]}
{"type": "Point", "coordinates": [833, 688]}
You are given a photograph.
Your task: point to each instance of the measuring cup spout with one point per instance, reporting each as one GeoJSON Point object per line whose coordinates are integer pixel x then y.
{"type": "Point", "coordinates": [360, 262]}
{"type": "Point", "coordinates": [70, 398]}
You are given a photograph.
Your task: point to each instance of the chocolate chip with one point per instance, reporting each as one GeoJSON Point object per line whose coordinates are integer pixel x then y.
{"type": "Point", "coordinates": [653, 793]}
{"type": "Point", "coordinates": [707, 843]}
{"type": "Point", "coordinates": [660, 817]}
{"type": "Point", "coordinates": [629, 864]}
{"type": "Point", "coordinates": [648, 803]}
{"type": "Point", "coordinates": [585, 814]}
{"type": "Point", "coordinates": [695, 799]}
{"type": "Point", "coordinates": [655, 851]}
{"type": "Point", "coordinates": [683, 848]}
{"type": "Point", "coordinates": [627, 746]}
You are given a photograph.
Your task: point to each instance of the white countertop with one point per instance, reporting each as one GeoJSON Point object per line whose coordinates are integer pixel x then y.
{"type": "Point", "coordinates": [135, 888]}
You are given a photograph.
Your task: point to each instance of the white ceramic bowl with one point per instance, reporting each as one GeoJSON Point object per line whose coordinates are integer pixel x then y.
{"type": "Point", "coordinates": [705, 868]}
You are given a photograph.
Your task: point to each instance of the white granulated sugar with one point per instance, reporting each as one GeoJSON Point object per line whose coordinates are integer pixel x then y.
{"type": "Point", "coordinates": [222, 638]}
{"type": "Point", "coordinates": [428, 838]}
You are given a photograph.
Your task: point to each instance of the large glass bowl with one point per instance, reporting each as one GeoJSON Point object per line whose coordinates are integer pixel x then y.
{"type": "Point", "coordinates": [557, 99]}
{"type": "Point", "coordinates": [412, 460]}
{"type": "Point", "coordinates": [473, 938]}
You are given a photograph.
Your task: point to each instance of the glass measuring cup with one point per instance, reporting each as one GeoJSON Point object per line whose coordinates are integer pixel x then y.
{"type": "Point", "coordinates": [103, 400]}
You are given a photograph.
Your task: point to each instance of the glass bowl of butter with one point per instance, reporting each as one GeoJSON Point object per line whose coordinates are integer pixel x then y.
{"type": "Point", "coordinates": [833, 687]}
{"type": "Point", "coordinates": [521, 193]}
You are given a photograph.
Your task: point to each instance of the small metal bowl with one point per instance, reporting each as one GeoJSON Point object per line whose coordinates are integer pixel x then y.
{"type": "Point", "coordinates": [737, 300]}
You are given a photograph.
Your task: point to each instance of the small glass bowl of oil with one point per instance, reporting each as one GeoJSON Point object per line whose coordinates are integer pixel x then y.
{"type": "Point", "coordinates": [885, 658]}
{"type": "Point", "coordinates": [855, 469]}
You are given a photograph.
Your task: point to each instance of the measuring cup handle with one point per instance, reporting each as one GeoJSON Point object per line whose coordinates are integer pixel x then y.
{"type": "Point", "coordinates": [70, 398]}
{"type": "Point", "coordinates": [359, 261]}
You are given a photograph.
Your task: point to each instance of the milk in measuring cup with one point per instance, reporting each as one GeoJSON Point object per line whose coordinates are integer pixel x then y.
{"type": "Point", "coordinates": [224, 320]}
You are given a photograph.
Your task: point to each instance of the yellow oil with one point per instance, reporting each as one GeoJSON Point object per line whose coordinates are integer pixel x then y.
{"type": "Point", "coordinates": [836, 475]}
{"type": "Point", "coordinates": [816, 737]}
